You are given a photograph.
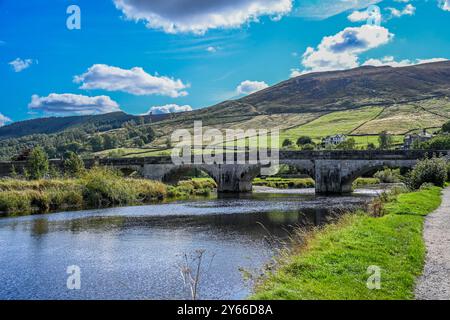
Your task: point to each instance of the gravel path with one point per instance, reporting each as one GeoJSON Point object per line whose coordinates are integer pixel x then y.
{"type": "Point", "coordinates": [434, 284]}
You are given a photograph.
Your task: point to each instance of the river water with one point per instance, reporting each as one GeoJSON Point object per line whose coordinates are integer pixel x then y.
{"type": "Point", "coordinates": [140, 252]}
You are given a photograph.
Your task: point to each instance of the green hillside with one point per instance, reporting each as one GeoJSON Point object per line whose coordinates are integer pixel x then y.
{"type": "Point", "coordinates": [361, 102]}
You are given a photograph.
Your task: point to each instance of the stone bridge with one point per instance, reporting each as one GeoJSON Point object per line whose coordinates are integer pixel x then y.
{"type": "Point", "coordinates": [333, 171]}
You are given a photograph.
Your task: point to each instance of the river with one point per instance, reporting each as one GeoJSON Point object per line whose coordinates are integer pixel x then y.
{"type": "Point", "coordinates": [139, 252]}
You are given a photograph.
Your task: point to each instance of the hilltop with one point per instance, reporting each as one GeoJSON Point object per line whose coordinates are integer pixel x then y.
{"type": "Point", "coordinates": [361, 102]}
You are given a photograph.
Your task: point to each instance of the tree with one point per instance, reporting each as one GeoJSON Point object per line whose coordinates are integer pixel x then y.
{"type": "Point", "coordinates": [37, 163]}
{"type": "Point", "coordinates": [287, 143]}
{"type": "Point", "coordinates": [109, 142]}
{"type": "Point", "coordinates": [308, 146]}
{"type": "Point", "coordinates": [446, 127]}
{"type": "Point", "coordinates": [96, 143]}
{"type": "Point", "coordinates": [73, 164]}
{"type": "Point", "coordinates": [371, 146]}
{"type": "Point", "coordinates": [349, 144]}
{"type": "Point", "coordinates": [304, 140]}
{"type": "Point", "coordinates": [385, 140]}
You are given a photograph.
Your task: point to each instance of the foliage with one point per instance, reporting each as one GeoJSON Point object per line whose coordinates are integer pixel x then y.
{"type": "Point", "coordinates": [389, 175]}
{"type": "Point", "coordinates": [446, 127]}
{"type": "Point", "coordinates": [436, 143]}
{"type": "Point", "coordinates": [385, 140]}
{"type": "Point", "coordinates": [73, 165]}
{"type": "Point", "coordinates": [287, 143]}
{"type": "Point", "coordinates": [38, 163]}
{"type": "Point", "coordinates": [433, 170]}
{"type": "Point", "coordinates": [304, 140]}
{"type": "Point", "coordinates": [285, 183]}
{"type": "Point", "coordinates": [349, 144]}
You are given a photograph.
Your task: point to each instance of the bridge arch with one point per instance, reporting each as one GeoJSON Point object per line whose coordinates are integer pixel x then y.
{"type": "Point", "coordinates": [368, 167]}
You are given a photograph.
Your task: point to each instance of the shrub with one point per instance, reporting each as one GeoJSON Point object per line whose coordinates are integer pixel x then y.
{"type": "Point", "coordinates": [432, 170]}
{"type": "Point", "coordinates": [385, 140]}
{"type": "Point", "coordinates": [73, 165]}
{"type": "Point", "coordinates": [104, 187]}
{"type": "Point", "coordinates": [287, 143]}
{"type": "Point", "coordinates": [304, 140]}
{"type": "Point", "coordinates": [37, 163]}
{"type": "Point", "coordinates": [389, 175]}
{"type": "Point", "coordinates": [437, 143]}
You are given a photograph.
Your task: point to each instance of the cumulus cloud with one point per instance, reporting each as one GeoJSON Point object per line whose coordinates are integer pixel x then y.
{"type": "Point", "coordinates": [357, 16]}
{"type": "Point", "coordinates": [444, 5]}
{"type": "Point", "coordinates": [4, 120]}
{"type": "Point", "coordinates": [176, 16]}
{"type": "Point", "coordinates": [390, 61]}
{"type": "Point", "coordinates": [67, 104]}
{"type": "Point", "coordinates": [408, 10]}
{"type": "Point", "coordinates": [169, 108]}
{"type": "Point", "coordinates": [341, 51]}
{"type": "Point", "coordinates": [21, 64]}
{"type": "Point", "coordinates": [135, 81]}
{"type": "Point", "coordinates": [248, 87]}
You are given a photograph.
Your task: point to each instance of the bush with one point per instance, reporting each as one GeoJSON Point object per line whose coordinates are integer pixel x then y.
{"type": "Point", "coordinates": [37, 163]}
{"type": "Point", "coordinates": [389, 175]}
{"type": "Point", "coordinates": [432, 170]}
{"type": "Point", "coordinates": [287, 143]}
{"type": "Point", "coordinates": [304, 140]}
{"type": "Point", "coordinates": [73, 165]}
{"type": "Point", "coordinates": [437, 143]}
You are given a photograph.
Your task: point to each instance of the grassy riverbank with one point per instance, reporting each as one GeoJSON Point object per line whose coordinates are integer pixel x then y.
{"type": "Point", "coordinates": [333, 262]}
{"type": "Point", "coordinates": [300, 183]}
{"type": "Point", "coordinates": [96, 188]}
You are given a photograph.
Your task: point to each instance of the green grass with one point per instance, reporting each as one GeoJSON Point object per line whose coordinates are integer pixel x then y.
{"type": "Point", "coordinates": [334, 123]}
{"type": "Point", "coordinates": [334, 262]}
{"type": "Point", "coordinates": [285, 183]}
{"type": "Point", "coordinates": [362, 182]}
{"type": "Point", "coordinates": [98, 187]}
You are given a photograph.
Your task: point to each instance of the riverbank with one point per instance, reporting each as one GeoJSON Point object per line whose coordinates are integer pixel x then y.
{"type": "Point", "coordinates": [333, 262]}
{"type": "Point", "coordinates": [96, 188]}
{"type": "Point", "coordinates": [302, 183]}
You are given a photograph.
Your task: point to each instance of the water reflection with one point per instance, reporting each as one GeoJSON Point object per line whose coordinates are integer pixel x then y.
{"type": "Point", "coordinates": [133, 252]}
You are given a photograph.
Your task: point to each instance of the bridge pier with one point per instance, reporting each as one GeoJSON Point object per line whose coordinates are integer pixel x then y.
{"type": "Point", "coordinates": [329, 178]}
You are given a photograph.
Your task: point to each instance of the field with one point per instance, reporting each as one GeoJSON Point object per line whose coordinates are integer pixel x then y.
{"type": "Point", "coordinates": [363, 125]}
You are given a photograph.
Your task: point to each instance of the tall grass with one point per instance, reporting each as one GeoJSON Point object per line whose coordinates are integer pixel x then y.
{"type": "Point", "coordinates": [98, 187]}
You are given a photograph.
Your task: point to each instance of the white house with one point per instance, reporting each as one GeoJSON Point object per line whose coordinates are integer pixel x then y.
{"type": "Point", "coordinates": [334, 140]}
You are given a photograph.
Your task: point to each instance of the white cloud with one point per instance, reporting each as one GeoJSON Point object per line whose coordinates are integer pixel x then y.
{"type": "Point", "coordinates": [341, 51]}
{"type": "Point", "coordinates": [169, 108]}
{"type": "Point", "coordinates": [444, 4]}
{"type": "Point", "coordinates": [67, 104]}
{"type": "Point", "coordinates": [21, 64]}
{"type": "Point", "coordinates": [248, 87]}
{"type": "Point", "coordinates": [177, 16]}
{"type": "Point", "coordinates": [408, 10]}
{"type": "Point", "coordinates": [4, 120]}
{"type": "Point", "coordinates": [357, 16]}
{"type": "Point", "coordinates": [390, 61]}
{"type": "Point", "coordinates": [323, 9]}
{"type": "Point", "coordinates": [135, 81]}
{"type": "Point", "coordinates": [211, 49]}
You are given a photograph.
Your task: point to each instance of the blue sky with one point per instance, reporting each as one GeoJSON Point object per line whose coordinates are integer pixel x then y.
{"type": "Point", "coordinates": [173, 55]}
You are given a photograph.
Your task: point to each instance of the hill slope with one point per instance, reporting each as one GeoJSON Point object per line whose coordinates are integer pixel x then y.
{"type": "Point", "coordinates": [360, 102]}
{"type": "Point", "coordinates": [102, 122]}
